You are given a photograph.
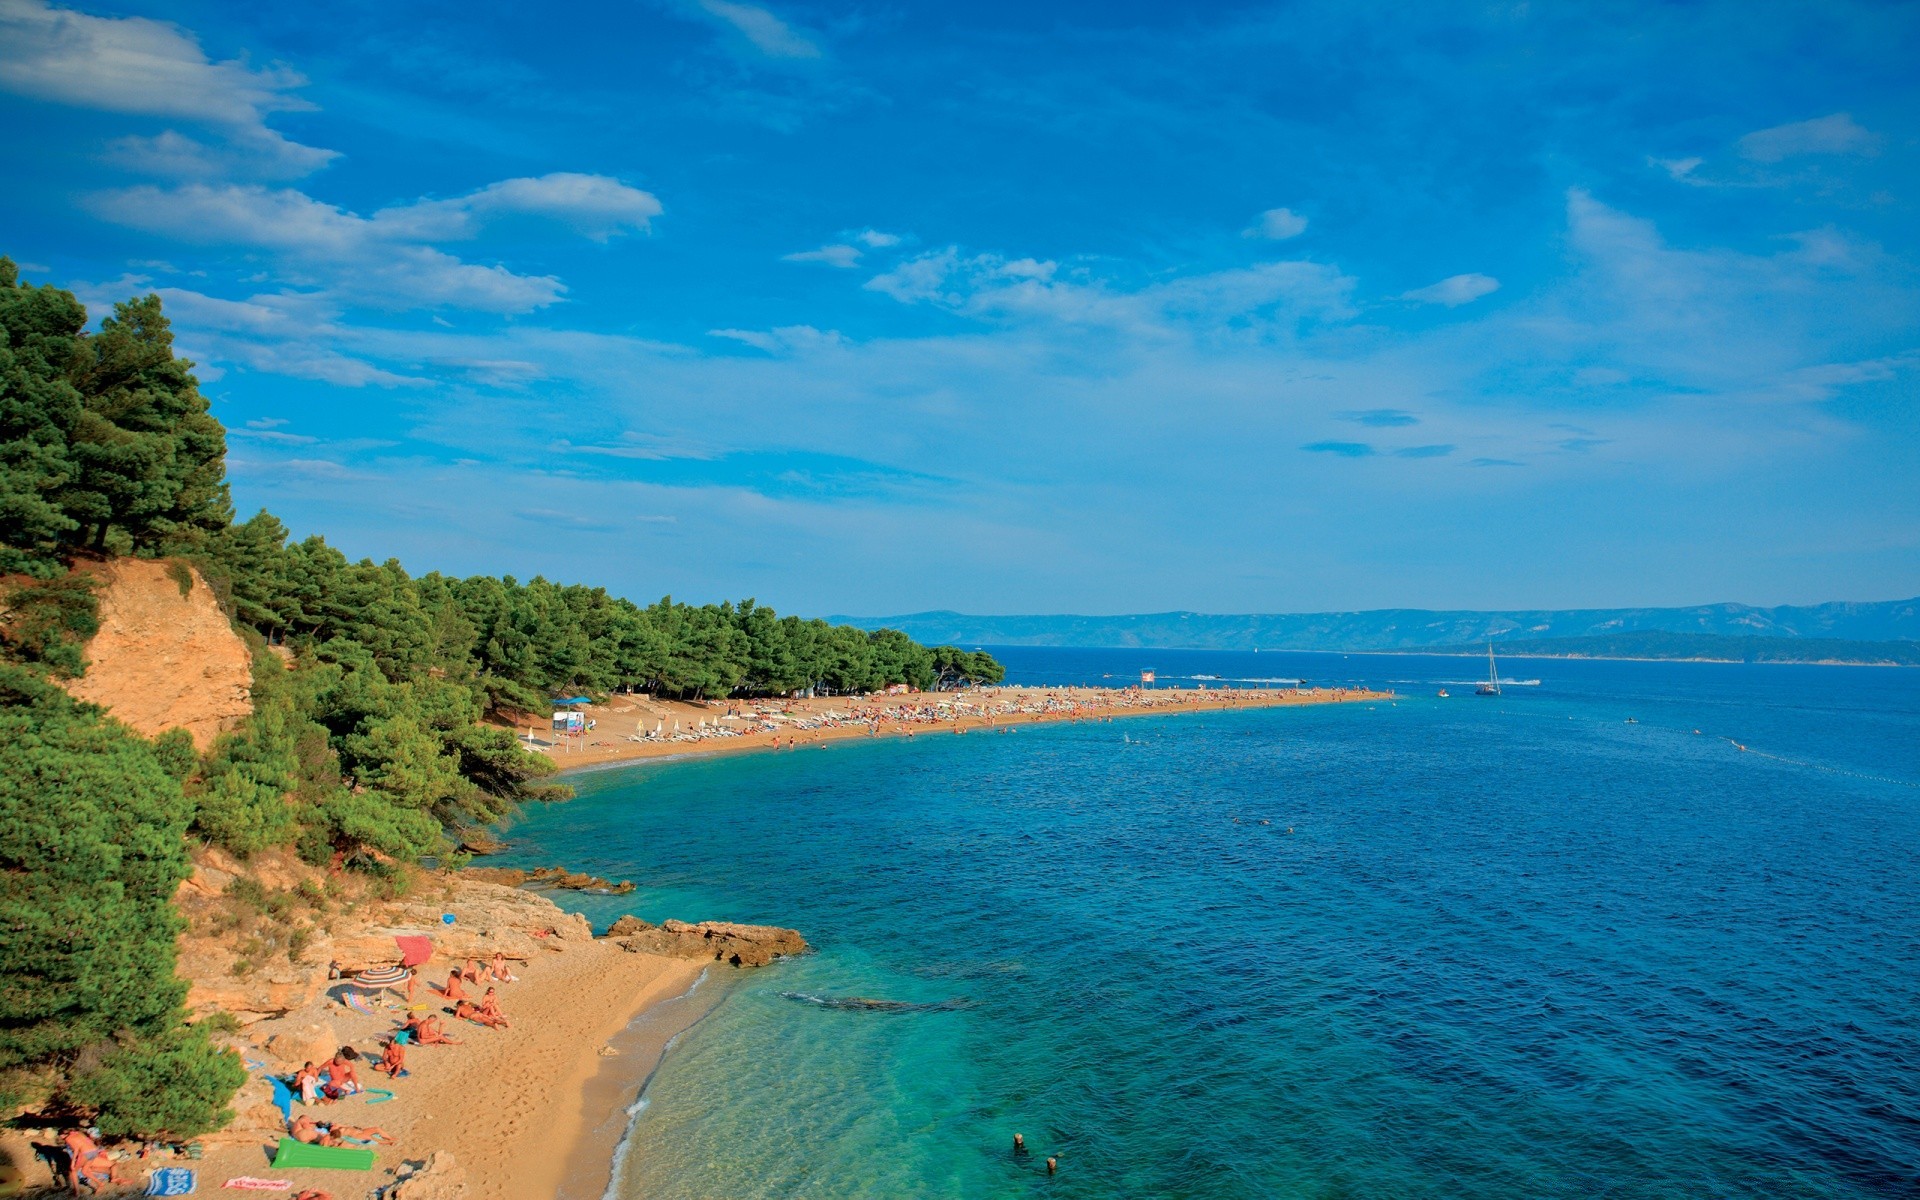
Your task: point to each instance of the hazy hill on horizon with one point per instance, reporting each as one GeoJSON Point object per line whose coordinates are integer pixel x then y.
{"type": "Point", "coordinates": [1404, 628]}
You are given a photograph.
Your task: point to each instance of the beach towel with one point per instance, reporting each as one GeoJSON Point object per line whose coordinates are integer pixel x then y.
{"type": "Point", "coordinates": [170, 1181]}
{"type": "Point", "coordinates": [334, 1158]}
{"type": "Point", "coordinates": [251, 1184]}
{"type": "Point", "coordinates": [282, 1096]}
{"type": "Point", "coordinates": [414, 949]}
{"type": "Point", "coordinates": [354, 1002]}
{"type": "Point", "coordinates": [378, 1095]}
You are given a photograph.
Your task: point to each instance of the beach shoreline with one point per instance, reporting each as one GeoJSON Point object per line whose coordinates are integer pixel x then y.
{"type": "Point", "coordinates": [634, 728]}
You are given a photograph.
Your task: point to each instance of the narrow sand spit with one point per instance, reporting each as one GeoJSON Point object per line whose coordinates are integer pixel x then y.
{"type": "Point", "coordinates": [627, 728]}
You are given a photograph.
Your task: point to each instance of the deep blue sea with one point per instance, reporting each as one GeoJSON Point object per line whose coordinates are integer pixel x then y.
{"type": "Point", "coordinates": [1513, 947]}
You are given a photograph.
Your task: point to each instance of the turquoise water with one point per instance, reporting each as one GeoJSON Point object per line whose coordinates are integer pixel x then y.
{"type": "Point", "coordinates": [1509, 948]}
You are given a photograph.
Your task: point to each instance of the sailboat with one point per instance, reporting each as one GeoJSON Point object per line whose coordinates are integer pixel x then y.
{"type": "Point", "coordinates": [1492, 686]}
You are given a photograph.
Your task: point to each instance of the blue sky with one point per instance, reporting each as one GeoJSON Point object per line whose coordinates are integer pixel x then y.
{"type": "Point", "coordinates": [1024, 307]}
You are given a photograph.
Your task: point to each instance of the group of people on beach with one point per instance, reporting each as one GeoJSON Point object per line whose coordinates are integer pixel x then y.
{"type": "Point", "coordinates": [985, 705]}
{"type": "Point", "coordinates": [339, 1077]}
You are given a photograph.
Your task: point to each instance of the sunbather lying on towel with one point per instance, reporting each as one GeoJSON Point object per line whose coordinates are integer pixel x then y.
{"type": "Point", "coordinates": [315, 1133]}
{"type": "Point", "coordinates": [311, 1194]}
{"type": "Point", "coordinates": [467, 1012]}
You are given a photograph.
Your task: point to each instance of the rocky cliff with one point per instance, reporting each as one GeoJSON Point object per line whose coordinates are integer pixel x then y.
{"type": "Point", "coordinates": [166, 656]}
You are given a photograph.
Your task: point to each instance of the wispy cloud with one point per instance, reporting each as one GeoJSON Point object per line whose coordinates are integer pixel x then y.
{"type": "Point", "coordinates": [835, 255]}
{"type": "Point", "coordinates": [145, 67]}
{"type": "Point", "coordinates": [762, 30]}
{"type": "Point", "coordinates": [1379, 418]}
{"type": "Point", "coordinates": [1836, 134]}
{"type": "Point", "coordinates": [1454, 290]}
{"type": "Point", "coordinates": [1343, 449]}
{"type": "Point", "coordinates": [386, 259]}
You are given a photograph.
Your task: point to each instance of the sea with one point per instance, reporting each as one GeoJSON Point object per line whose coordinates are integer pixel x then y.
{"type": "Point", "coordinates": [1628, 930]}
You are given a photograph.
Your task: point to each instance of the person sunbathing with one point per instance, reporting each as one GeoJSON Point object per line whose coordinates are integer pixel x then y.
{"type": "Point", "coordinates": [393, 1059]}
{"type": "Point", "coordinates": [343, 1079]}
{"type": "Point", "coordinates": [351, 1135]}
{"type": "Point", "coordinates": [307, 1082]}
{"type": "Point", "coordinates": [306, 1129]}
{"type": "Point", "coordinates": [87, 1163]}
{"type": "Point", "coordinates": [429, 1033]}
{"type": "Point", "coordinates": [501, 974]}
{"type": "Point", "coordinates": [467, 1012]}
{"type": "Point", "coordinates": [453, 990]}
{"type": "Point", "coordinates": [314, 1194]}
{"type": "Point", "coordinates": [490, 1005]}
{"type": "Point", "coordinates": [472, 971]}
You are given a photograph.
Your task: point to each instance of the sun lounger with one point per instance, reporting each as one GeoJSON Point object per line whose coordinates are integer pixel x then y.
{"type": "Point", "coordinates": [334, 1158]}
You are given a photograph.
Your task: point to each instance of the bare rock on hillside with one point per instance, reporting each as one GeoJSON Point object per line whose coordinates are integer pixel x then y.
{"type": "Point", "coordinates": [303, 1044]}
{"type": "Point", "coordinates": [627, 926]}
{"type": "Point", "coordinates": [270, 989]}
{"type": "Point", "coordinates": [164, 659]}
{"type": "Point", "coordinates": [721, 941]}
{"type": "Point", "coordinates": [487, 917]}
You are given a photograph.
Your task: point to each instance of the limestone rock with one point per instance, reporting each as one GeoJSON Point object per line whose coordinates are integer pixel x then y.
{"type": "Point", "coordinates": [314, 1043]}
{"type": "Point", "coordinates": [488, 917]}
{"type": "Point", "coordinates": [627, 926]}
{"type": "Point", "coordinates": [438, 1178]}
{"type": "Point", "coordinates": [549, 877]}
{"type": "Point", "coordinates": [722, 941]}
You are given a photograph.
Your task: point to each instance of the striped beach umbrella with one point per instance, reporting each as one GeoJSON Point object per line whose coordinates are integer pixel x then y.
{"type": "Point", "coordinates": [381, 977]}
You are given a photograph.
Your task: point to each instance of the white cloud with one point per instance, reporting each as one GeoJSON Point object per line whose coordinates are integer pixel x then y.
{"type": "Point", "coordinates": [594, 206]}
{"type": "Point", "coordinates": [151, 68]}
{"type": "Point", "coordinates": [876, 240]}
{"type": "Point", "coordinates": [768, 34]}
{"type": "Point", "coordinates": [1836, 134]}
{"type": "Point", "coordinates": [836, 255]}
{"type": "Point", "coordinates": [1278, 224]}
{"type": "Point", "coordinates": [1678, 169]}
{"type": "Point", "coordinates": [385, 259]}
{"type": "Point", "coordinates": [1264, 298]}
{"type": "Point", "coordinates": [786, 339]}
{"type": "Point", "coordinates": [1454, 290]}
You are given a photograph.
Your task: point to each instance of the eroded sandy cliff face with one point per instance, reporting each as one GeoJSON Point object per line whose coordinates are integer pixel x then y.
{"type": "Point", "coordinates": [165, 657]}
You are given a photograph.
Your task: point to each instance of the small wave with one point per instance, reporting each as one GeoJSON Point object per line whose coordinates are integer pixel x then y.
{"type": "Point", "coordinates": [864, 1004]}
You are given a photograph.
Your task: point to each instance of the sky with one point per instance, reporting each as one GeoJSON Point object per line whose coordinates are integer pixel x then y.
{"type": "Point", "coordinates": [1022, 308]}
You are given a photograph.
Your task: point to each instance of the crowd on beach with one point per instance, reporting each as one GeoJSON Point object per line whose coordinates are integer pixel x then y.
{"type": "Point", "coordinates": [904, 713]}
{"type": "Point", "coordinates": [318, 1084]}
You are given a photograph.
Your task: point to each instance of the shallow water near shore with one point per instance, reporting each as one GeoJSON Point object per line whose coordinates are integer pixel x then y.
{"type": "Point", "coordinates": [1511, 947]}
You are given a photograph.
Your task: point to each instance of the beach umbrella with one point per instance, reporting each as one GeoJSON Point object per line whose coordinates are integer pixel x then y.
{"type": "Point", "coordinates": [381, 977]}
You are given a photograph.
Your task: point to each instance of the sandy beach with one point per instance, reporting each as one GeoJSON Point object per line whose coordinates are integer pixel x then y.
{"type": "Point", "coordinates": [511, 1107]}
{"type": "Point", "coordinates": [631, 727]}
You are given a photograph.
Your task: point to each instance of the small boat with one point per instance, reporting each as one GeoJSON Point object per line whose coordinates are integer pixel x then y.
{"type": "Point", "coordinates": [1443, 693]}
{"type": "Point", "coordinates": [1492, 686]}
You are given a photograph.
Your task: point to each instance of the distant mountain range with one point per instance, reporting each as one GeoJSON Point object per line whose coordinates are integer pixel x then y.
{"type": "Point", "coordinates": [1701, 647]}
{"type": "Point", "coordinates": [1409, 628]}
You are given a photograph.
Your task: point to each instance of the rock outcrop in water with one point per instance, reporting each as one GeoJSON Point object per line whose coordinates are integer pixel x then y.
{"type": "Point", "coordinates": [549, 877]}
{"type": "Point", "coordinates": [721, 941]}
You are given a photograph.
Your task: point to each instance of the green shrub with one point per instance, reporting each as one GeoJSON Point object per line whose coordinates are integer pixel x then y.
{"type": "Point", "coordinates": [169, 1087]}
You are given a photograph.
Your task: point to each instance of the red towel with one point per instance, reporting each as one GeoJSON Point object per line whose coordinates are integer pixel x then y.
{"type": "Point", "coordinates": [414, 950]}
